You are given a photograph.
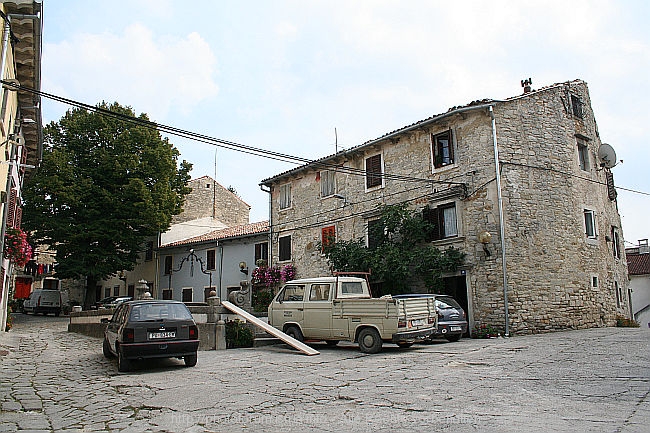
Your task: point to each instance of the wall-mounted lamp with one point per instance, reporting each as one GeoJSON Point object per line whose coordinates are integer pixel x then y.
{"type": "Point", "coordinates": [485, 238]}
{"type": "Point", "coordinates": [243, 268]}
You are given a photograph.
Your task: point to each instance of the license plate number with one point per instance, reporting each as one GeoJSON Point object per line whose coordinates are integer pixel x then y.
{"type": "Point", "coordinates": [455, 328]}
{"type": "Point", "coordinates": [159, 335]}
{"type": "Point", "coordinates": [418, 322]}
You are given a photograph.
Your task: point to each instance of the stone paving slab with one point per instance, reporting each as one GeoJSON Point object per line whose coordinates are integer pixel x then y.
{"type": "Point", "coordinates": [574, 381]}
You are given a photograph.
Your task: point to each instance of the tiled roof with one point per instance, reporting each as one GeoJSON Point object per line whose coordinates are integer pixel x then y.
{"type": "Point", "coordinates": [638, 264]}
{"type": "Point", "coordinates": [227, 233]}
{"type": "Point", "coordinates": [482, 103]}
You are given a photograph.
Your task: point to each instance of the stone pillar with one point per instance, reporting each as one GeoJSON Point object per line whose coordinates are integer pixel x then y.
{"type": "Point", "coordinates": [220, 335]}
{"type": "Point", "coordinates": [213, 307]}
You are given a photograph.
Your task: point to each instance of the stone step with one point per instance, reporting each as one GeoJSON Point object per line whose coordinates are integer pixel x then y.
{"type": "Point", "coordinates": [266, 341]}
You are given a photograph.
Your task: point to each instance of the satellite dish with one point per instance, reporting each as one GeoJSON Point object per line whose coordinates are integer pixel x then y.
{"type": "Point", "coordinates": [606, 156]}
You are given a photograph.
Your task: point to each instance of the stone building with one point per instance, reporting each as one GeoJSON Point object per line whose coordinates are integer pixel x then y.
{"type": "Point", "coordinates": [638, 265]}
{"type": "Point", "coordinates": [542, 232]}
{"type": "Point", "coordinates": [21, 131]}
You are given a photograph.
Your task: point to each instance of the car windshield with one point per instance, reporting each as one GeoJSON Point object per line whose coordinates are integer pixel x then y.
{"type": "Point", "coordinates": [446, 302]}
{"type": "Point", "coordinates": [157, 312]}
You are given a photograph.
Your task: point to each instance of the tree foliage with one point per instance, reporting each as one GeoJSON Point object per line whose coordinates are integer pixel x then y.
{"type": "Point", "coordinates": [400, 257]}
{"type": "Point", "coordinates": [103, 187]}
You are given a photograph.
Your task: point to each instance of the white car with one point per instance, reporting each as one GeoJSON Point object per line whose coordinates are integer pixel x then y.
{"type": "Point", "coordinates": [43, 301]}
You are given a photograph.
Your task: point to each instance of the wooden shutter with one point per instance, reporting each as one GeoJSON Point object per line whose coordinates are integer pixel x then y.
{"type": "Point", "coordinates": [328, 236]}
{"type": "Point", "coordinates": [373, 171]}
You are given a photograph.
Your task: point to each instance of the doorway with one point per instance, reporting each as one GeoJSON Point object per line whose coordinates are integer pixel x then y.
{"type": "Point", "coordinates": [456, 287]}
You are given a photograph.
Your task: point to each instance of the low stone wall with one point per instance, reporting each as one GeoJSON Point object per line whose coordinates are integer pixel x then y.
{"type": "Point", "coordinates": [212, 336]}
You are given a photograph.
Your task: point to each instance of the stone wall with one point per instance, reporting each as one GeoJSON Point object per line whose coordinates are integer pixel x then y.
{"type": "Point", "coordinates": [228, 208]}
{"type": "Point", "coordinates": [550, 262]}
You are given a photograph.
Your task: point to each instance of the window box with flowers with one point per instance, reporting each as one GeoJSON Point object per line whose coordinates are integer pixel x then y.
{"type": "Point", "coordinates": [17, 249]}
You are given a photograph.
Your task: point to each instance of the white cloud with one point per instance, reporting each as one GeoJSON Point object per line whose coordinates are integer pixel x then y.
{"type": "Point", "coordinates": [152, 74]}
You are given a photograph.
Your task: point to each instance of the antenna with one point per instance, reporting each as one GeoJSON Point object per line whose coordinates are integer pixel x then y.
{"type": "Point", "coordinates": [606, 156]}
{"type": "Point", "coordinates": [336, 141]}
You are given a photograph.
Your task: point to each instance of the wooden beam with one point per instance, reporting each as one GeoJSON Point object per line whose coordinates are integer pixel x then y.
{"type": "Point", "coordinates": [270, 329]}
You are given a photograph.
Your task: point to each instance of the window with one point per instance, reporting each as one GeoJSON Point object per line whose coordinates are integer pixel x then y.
{"type": "Point", "coordinates": [285, 196]}
{"type": "Point", "coordinates": [168, 294]}
{"type": "Point", "coordinates": [576, 106]}
{"type": "Point", "coordinates": [107, 292]}
{"type": "Point", "coordinates": [444, 221]}
{"type": "Point", "coordinates": [328, 236]}
{"type": "Point", "coordinates": [616, 243]}
{"type": "Point", "coordinates": [442, 149]}
{"type": "Point", "coordinates": [212, 260]}
{"type": "Point", "coordinates": [376, 232]}
{"type": "Point", "coordinates": [284, 245]}
{"type": "Point", "coordinates": [187, 295]}
{"type": "Point", "coordinates": [262, 252]}
{"type": "Point", "coordinates": [594, 281]}
{"type": "Point", "coordinates": [116, 290]}
{"type": "Point", "coordinates": [319, 292]}
{"type": "Point", "coordinates": [590, 224]}
{"type": "Point", "coordinates": [583, 155]}
{"type": "Point", "coordinates": [168, 265]}
{"type": "Point", "coordinates": [292, 293]}
{"type": "Point", "coordinates": [619, 294]}
{"type": "Point", "coordinates": [374, 171]}
{"type": "Point", "coordinates": [327, 183]}
{"type": "Point", "coordinates": [148, 252]}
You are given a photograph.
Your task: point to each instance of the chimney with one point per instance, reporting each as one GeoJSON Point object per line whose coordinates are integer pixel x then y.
{"type": "Point", "coordinates": [643, 246]}
{"type": "Point", "coordinates": [526, 85]}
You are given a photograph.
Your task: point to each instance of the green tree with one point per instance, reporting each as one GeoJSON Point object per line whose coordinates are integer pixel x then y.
{"type": "Point", "coordinates": [104, 186]}
{"type": "Point", "coordinates": [400, 257]}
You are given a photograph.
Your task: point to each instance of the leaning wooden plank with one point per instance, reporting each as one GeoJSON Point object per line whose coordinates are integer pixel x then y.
{"type": "Point", "coordinates": [270, 329]}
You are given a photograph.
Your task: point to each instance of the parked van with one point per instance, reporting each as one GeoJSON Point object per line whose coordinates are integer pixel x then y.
{"type": "Point", "coordinates": [43, 301]}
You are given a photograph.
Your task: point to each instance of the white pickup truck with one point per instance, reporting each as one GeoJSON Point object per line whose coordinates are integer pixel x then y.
{"type": "Point", "coordinates": [341, 308]}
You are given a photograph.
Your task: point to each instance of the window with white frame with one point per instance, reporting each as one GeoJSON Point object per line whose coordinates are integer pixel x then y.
{"type": "Point", "coordinates": [442, 149]}
{"type": "Point", "coordinates": [374, 171]}
{"type": "Point", "coordinates": [285, 196]}
{"type": "Point", "coordinates": [444, 221]}
{"type": "Point", "coordinates": [327, 183]}
{"type": "Point", "coordinates": [590, 224]}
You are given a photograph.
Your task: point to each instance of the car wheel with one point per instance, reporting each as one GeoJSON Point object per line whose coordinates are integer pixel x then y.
{"type": "Point", "coordinates": [404, 344]}
{"type": "Point", "coordinates": [452, 337]}
{"type": "Point", "coordinates": [332, 343]}
{"type": "Point", "coordinates": [294, 332]}
{"type": "Point", "coordinates": [190, 360]}
{"type": "Point", "coordinates": [106, 348]}
{"type": "Point", "coordinates": [123, 364]}
{"type": "Point", "coordinates": [369, 341]}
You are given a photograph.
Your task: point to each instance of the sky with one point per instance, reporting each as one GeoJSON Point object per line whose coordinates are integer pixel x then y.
{"type": "Point", "coordinates": [306, 78]}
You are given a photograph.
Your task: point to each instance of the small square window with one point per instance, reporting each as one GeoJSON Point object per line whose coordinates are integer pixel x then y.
{"type": "Point", "coordinates": [168, 294]}
{"type": "Point", "coordinates": [594, 282]}
{"type": "Point", "coordinates": [187, 295]}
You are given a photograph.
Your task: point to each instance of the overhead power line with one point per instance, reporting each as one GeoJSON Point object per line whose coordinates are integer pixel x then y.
{"type": "Point", "coordinates": [256, 151]}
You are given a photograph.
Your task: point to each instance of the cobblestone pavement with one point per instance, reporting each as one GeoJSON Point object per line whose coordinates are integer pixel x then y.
{"type": "Point", "coordinates": [575, 381]}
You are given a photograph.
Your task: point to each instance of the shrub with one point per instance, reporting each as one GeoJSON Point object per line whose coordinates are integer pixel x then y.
{"type": "Point", "coordinates": [238, 335]}
{"type": "Point", "coordinates": [624, 322]}
{"type": "Point", "coordinates": [485, 331]}
{"type": "Point", "coordinates": [261, 300]}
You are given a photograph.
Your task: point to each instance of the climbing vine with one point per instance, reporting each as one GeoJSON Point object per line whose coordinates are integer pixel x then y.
{"type": "Point", "coordinates": [400, 256]}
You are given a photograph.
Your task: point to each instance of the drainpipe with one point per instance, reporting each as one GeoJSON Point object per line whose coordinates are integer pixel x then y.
{"type": "Point", "coordinates": [220, 268]}
{"type": "Point", "coordinates": [501, 224]}
{"type": "Point", "coordinates": [270, 261]}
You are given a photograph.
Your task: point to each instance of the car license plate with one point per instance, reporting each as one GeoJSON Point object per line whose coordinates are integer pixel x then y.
{"type": "Point", "coordinates": [455, 328]}
{"type": "Point", "coordinates": [159, 335]}
{"type": "Point", "coordinates": [418, 322]}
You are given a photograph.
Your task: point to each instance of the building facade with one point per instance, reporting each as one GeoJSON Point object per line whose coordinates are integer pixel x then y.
{"type": "Point", "coordinates": [222, 260]}
{"type": "Point", "coordinates": [21, 134]}
{"type": "Point", "coordinates": [516, 184]}
{"type": "Point", "coordinates": [638, 264]}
